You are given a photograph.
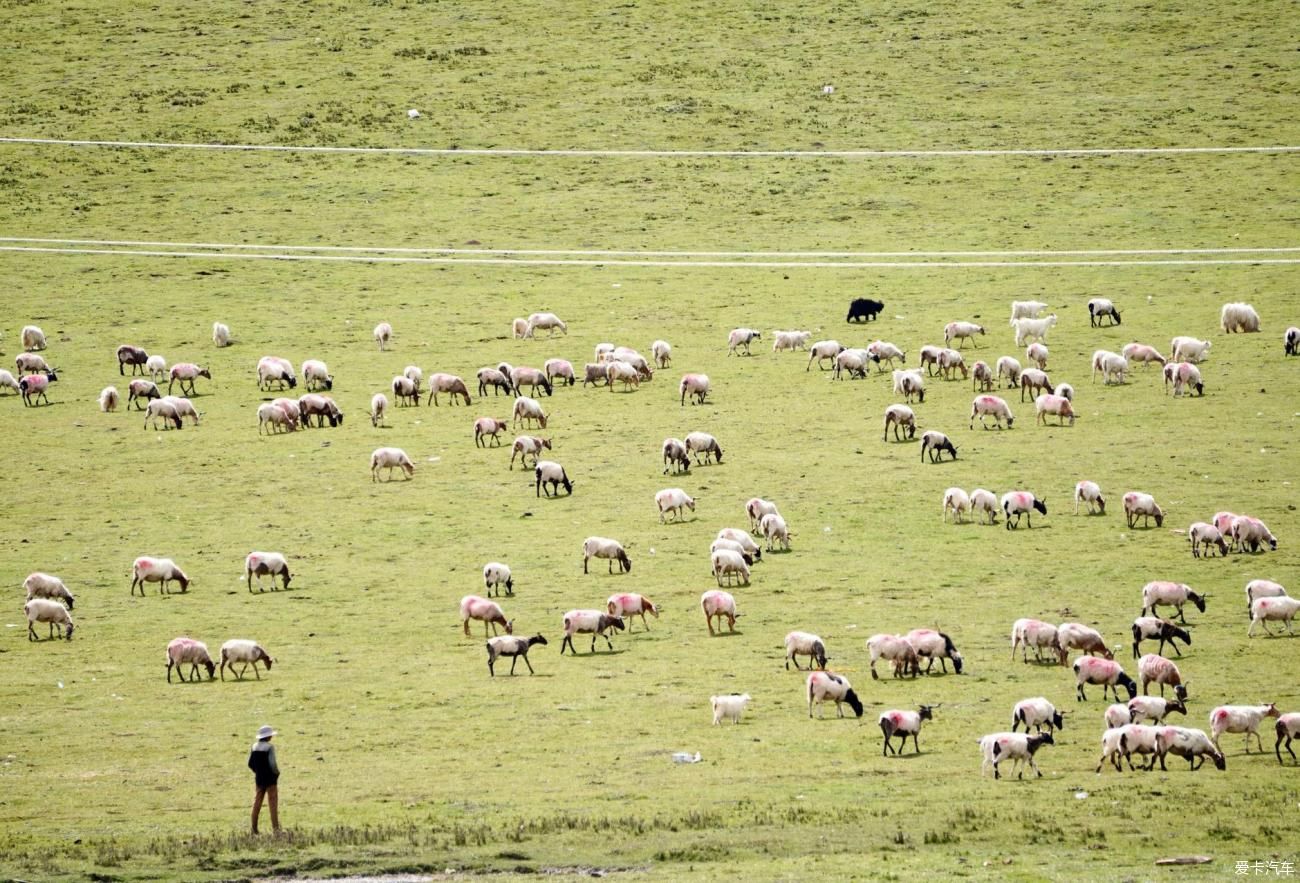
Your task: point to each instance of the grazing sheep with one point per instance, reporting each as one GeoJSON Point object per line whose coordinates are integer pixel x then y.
{"type": "Point", "coordinates": [662, 352]}
{"type": "Point", "coordinates": [322, 407]}
{"type": "Point", "coordinates": [525, 445]}
{"type": "Point", "coordinates": [1033, 329]}
{"type": "Point", "coordinates": [1154, 668]}
{"type": "Point", "coordinates": [1140, 352]}
{"type": "Point", "coordinates": [805, 644]}
{"type": "Point", "coordinates": [274, 369]}
{"type": "Point", "coordinates": [488, 427]}
{"type": "Point", "coordinates": [182, 407]}
{"type": "Point", "coordinates": [1107, 672]}
{"type": "Point", "coordinates": [1065, 391]}
{"type": "Point", "coordinates": [1127, 740]}
{"type": "Point", "coordinates": [108, 399]}
{"type": "Point", "coordinates": [956, 500]}
{"type": "Point", "coordinates": [728, 707]}
{"type": "Point", "coordinates": [271, 418]}
{"type": "Point", "coordinates": [1038, 713]}
{"type": "Point", "coordinates": [852, 362]}
{"type": "Point", "coordinates": [1170, 594]}
{"type": "Point", "coordinates": [1155, 708]}
{"type": "Point", "coordinates": [545, 322]}
{"type": "Point", "coordinates": [383, 334]}
{"type": "Point", "coordinates": [1077, 636]}
{"type": "Point", "coordinates": [981, 377]}
{"type": "Point", "coordinates": [1026, 633]}
{"type": "Point", "coordinates": [1060, 406]}
{"type": "Point", "coordinates": [950, 361]}
{"type": "Point", "coordinates": [186, 373]}
{"type": "Point", "coordinates": [557, 368]}
{"type": "Point", "coordinates": [1113, 367]}
{"type": "Point", "coordinates": [30, 363]}
{"type": "Point", "coordinates": [8, 381]}
{"type": "Point", "coordinates": [220, 334]}
{"type": "Point", "coordinates": [156, 367]}
{"type": "Point", "coordinates": [824, 685]}
{"type": "Point", "coordinates": [552, 473]}
{"type": "Point", "coordinates": [1019, 748]}
{"type": "Point", "coordinates": [741, 337]}
{"type": "Point", "coordinates": [1033, 381]}
{"type": "Point", "coordinates": [1265, 610]}
{"type": "Point", "coordinates": [589, 622]}
{"type": "Point", "coordinates": [823, 350]}
{"type": "Point", "coordinates": [487, 612]}
{"type": "Point", "coordinates": [756, 508]}
{"type": "Point", "coordinates": [1153, 628]}
{"type": "Point", "coordinates": [1189, 349]}
{"type": "Point", "coordinates": [909, 383]}
{"type": "Point", "coordinates": [519, 328]}
{"type": "Point", "coordinates": [672, 500]}
{"type": "Point", "coordinates": [496, 575]}
{"type": "Point", "coordinates": [528, 411]}
{"type": "Point", "coordinates": [865, 309]}
{"type": "Point", "coordinates": [595, 374]}
{"type": "Point", "coordinates": [47, 611]}
{"type": "Point", "coordinates": [134, 356]}
{"type": "Point", "coordinates": [626, 605]}
{"type": "Point", "coordinates": [740, 536]}
{"type": "Point", "coordinates": [702, 443]}
{"type": "Point", "coordinates": [1019, 503]}
{"type": "Point", "coordinates": [450, 384]}
{"type": "Point", "coordinates": [733, 546]}
{"type": "Point", "coordinates": [156, 570]}
{"type": "Point", "coordinates": [775, 530]}
{"type": "Point", "coordinates": [513, 646]}
{"type": "Point", "coordinates": [719, 604]}
{"type": "Point", "coordinates": [1288, 728]}
{"type": "Point", "coordinates": [316, 376]}
{"type": "Point", "coordinates": [603, 351]}
{"type": "Point", "coordinates": [1187, 377]}
{"type": "Point", "coordinates": [1291, 347]}
{"type": "Point", "coordinates": [1009, 368]}
{"type": "Point", "coordinates": [931, 645]}
{"type": "Point", "coordinates": [1240, 719]}
{"type": "Point", "coordinates": [903, 723]}
{"type": "Point", "coordinates": [1204, 536]}
{"type": "Point", "coordinates": [33, 338]}
{"type": "Point", "coordinates": [1089, 492]}
{"type": "Point", "coordinates": [991, 406]}
{"type": "Point", "coordinates": [1038, 354]}
{"type": "Point", "coordinates": [523, 375]}
{"type": "Point", "coordinates": [1239, 317]}
{"type": "Point", "coordinates": [496, 379]}
{"type": "Point", "coordinates": [1139, 505]}
{"type": "Point", "coordinates": [603, 547]}
{"type": "Point", "coordinates": [378, 408]}
{"type": "Point", "coordinates": [43, 585]}
{"type": "Point", "coordinates": [929, 356]}
{"type": "Point", "coordinates": [161, 408]}
{"type": "Point", "coordinates": [245, 652]}
{"type": "Point", "coordinates": [984, 502]}
{"type": "Point", "coordinates": [675, 456]}
{"type": "Point", "coordinates": [696, 386]}
{"type": "Point", "coordinates": [896, 649]}
{"type": "Point", "coordinates": [406, 391]}
{"type": "Point", "coordinates": [1193, 745]}
{"type": "Point", "coordinates": [187, 651]}
{"type": "Point", "coordinates": [730, 564]}
{"type": "Point", "coordinates": [961, 331]}
{"type": "Point", "coordinates": [260, 564]}
{"type": "Point", "coordinates": [1251, 533]}
{"type": "Point", "coordinates": [34, 386]}
{"type": "Point", "coordinates": [790, 340]}
{"type": "Point", "coordinates": [1101, 308]}
{"type": "Point", "coordinates": [1262, 588]}
{"type": "Point", "coordinates": [900, 416]}
{"type": "Point", "coordinates": [390, 459]}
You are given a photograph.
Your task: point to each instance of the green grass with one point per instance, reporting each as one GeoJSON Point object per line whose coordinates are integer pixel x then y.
{"type": "Point", "coordinates": [399, 752]}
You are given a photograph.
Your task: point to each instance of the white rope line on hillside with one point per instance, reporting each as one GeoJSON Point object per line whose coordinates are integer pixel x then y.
{"type": "Point", "coordinates": [557, 262]}
{"type": "Point", "coordinates": [644, 154]}
{"type": "Point", "coordinates": [632, 253]}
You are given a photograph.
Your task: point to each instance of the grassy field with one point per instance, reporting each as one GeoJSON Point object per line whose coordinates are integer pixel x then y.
{"type": "Point", "coordinates": [399, 753]}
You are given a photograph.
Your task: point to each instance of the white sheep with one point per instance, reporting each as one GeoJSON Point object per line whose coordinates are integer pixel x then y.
{"type": "Point", "coordinates": [909, 383]}
{"type": "Point", "coordinates": [1279, 609]}
{"type": "Point", "coordinates": [756, 508]}
{"type": "Point", "coordinates": [241, 651]}
{"type": "Point", "coordinates": [882, 351]}
{"type": "Point", "coordinates": [852, 362]}
{"type": "Point", "coordinates": [1251, 533]}
{"type": "Point", "coordinates": [156, 570]}
{"type": "Point", "coordinates": [1238, 317]}
{"type": "Point", "coordinates": [1037, 713]}
{"type": "Point", "coordinates": [1240, 719]}
{"type": "Point", "coordinates": [525, 445]}
{"type": "Point", "coordinates": [390, 459]}
{"type": "Point", "coordinates": [182, 407]}
{"type": "Point", "coordinates": [984, 502]}
{"type": "Point", "coordinates": [316, 375]}
{"type": "Point", "coordinates": [1118, 715]}
{"type": "Point", "coordinates": [957, 501]}
{"type": "Point", "coordinates": [383, 334]}
{"type": "Point", "coordinates": [733, 546]}
{"type": "Point", "coordinates": [1038, 354]}
{"type": "Point", "coordinates": [496, 575]}
{"type": "Point", "coordinates": [30, 363]}
{"type": "Point", "coordinates": [519, 328]}
{"type": "Point", "coordinates": [1009, 368]}
{"type": "Point", "coordinates": [950, 361]}
{"type": "Point", "coordinates": [378, 408]}
{"type": "Point", "coordinates": [1026, 633]}
{"type": "Point", "coordinates": [603, 547]}
{"type": "Point", "coordinates": [961, 331]}
{"type": "Point", "coordinates": [1113, 367]}
{"type": "Point", "coordinates": [626, 605]}
{"type": "Point", "coordinates": [187, 651]}
{"type": "Point", "coordinates": [805, 644]}
{"type": "Point", "coordinates": [1154, 668]}
{"type": "Point", "coordinates": [1089, 492]}
{"type": "Point", "coordinates": [930, 645]}
{"type": "Point", "coordinates": [790, 340]}
{"type": "Point", "coordinates": [775, 530]}
{"type": "Point", "coordinates": [897, 650]}
{"type": "Point", "coordinates": [272, 564]}
{"type": "Point", "coordinates": [702, 443]}
{"type": "Point", "coordinates": [1141, 352]}
{"type": "Point", "coordinates": [1033, 329]}
{"type": "Point", "coordinates": [1077, 636]}
{"type": "Point", "coordinates": [728, 707]}
{"type": "Point", "coordinates": [671, 500]}
{"type": "Point", "coordinates": [1058, 406]}
{"type": "Point", "coordinates": [696, 386]}
{"type": "Point", "coordinates": [453, 386]}
{"type": "Point", "coordinates": [157, 367]}
{"type": "Point", "coordinates": [561, 369]}
{"type": "Point", "coordinates": [718, 604]}
{"type": "Point", "coordinates": [725, 562]}
{"type": "Point", "coordinates": [47, 611]}
{"type": "Point", "coordinates": [1262, 588]}
{"type": "Point", "coordinates": [487, 612]}
{"type": "Point", "coordinates": [741, 337]}
{"type": "Point", "coordinates": [272, 418]}
{"type": "Point", "coordinates": [33, 338]}
{"type": "Point", "coordinates": [545, 322]}
{"type": "Point", "coordinates": [1187, 378]}
{"type": "Point", "coordinates": [108, 399]}
{"type": "Point", "coordinates": [1102, 308]}
{"type": "Point", "coordinates": [897, 722]}
{"type": "Point", "coordinates": [528, 411]}
{"type": "Point", "coordinates": [1141, 505]}
{"type": "Point", "coordinates": [8, 381]}
{"type": "Point", "coordinates": [186, 373]}
{"type": "Point", "coordinates": [220, 334]}
{"type": "Point", "coordinates": [1171, 594]}
{"type": "Point", "coordinates": [44, 585]}
{"type": "Point", "coordinates": [1203, 535]}
{"type": "Point", "coordinates": [662, 351]}
{"type": "Point", "coordinates": [824, 685]}
{"type": "Point", "coordinates": [1017, 747]}
{"type": "Point", "coordinates": [900, 416]}
{"type": "Point", "coordinates": [991, 406]}
{"type": "Point", "coordinates": [741, 537]}
{"type": "Point", "coordinates": [823, 350]}
{"type": "Point", "coordinates": [1189, 349]}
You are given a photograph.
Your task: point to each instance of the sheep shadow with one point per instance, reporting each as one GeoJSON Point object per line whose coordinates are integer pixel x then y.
{"type": "Point", "coordinates": [736, 634]}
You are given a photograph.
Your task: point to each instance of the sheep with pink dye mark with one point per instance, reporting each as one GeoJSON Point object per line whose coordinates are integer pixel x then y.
{"type": "Point", "coordinates": [1192, 744]}
{"type": "Point", "coordinates": [901, 723]}
{"type": "Point", "coordinates": [1077, 636]}
{"type": "Point", "coordinates": [1156, 708]}
{"type": "Point", "coordinates": [1113, 367]}
{"type": "Point", "coordinates": [1118, 715]}
{"type": "Point", "coordinates": [671, 501]}
{"type": "Point", "coordinates": [596, 623]}
{"type": "Point", "coordinates": [626, 605]}
{"type": "Point", "coordinates": [1089, 492]}
{"type": "Point", "coordinates": [696, 386]}
{"type": "Point", "coordinates": [1251, 533]}
{"type": "Point", "coordinates": [991, 406]}
{"type": "Point", "coordinates": [1288, 729]}
{"type": "Point", "coordinates": [1019, 748]}
{"type": "Point", "coordinates": [981, 377]}
{"type": "Point", "coordinates": [186, 373]}
{"type": "Point", "coordinates": [488, 428]}
{"type": "Point", "coordinates": [739, 535]}
{"type": "Point", "coordinates": [485, 611]}
{"type": "Point", "coordinates": [1187, 379]}
{"type": "Point", "coordinates": [827, 685]}
{"type": "Point", "coordinates": [1262, 588]}
{"type": "Point", "coordinates": [1140, 505]}
{"type": "Point", "coordinates": [156, 570]}
{"type": "Point", "coordinates": [244, 652]}
{"type": "Point", "coordinates": [1278, 609]}
{"type": "Point", "coordinates": [1037, 713]}
{"type": "Point", "coordinates": [1140, 352]}
{"type": "Point", "coordinates": [1106, 672]}
{"type": "Point", "coordinates": [1033, 381]}
{"type": "Point", "coordinates": [1165, 592]}
{"type": "Point", "coordinates": [1155, 669]}
{"type": "Point", "coordinates": [528, 411]}
{"type": "Point", "coordinates": [272, 564]}
{"type": "Point", "coordinates": [961, 331]}
{"type": "Point", "coordinates": [187, 651]}
{"type": "Point", "coordinates": [952, 360]}
{"type": "Point", "coordinates": [718, 605]}
{"type": "Point", "coordinates": [729, 564]}
{"type": "Point", "coordinates": [1240, 719]}
{"type": "Point", "coordinates": [1020, 503]}
{"type": "Point", "coordinates": [1053, 405]}
{"type": "Point", "coordinates": [34, 386]}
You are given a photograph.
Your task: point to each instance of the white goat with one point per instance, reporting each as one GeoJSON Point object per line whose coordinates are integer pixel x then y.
{"type": "Point", "coordinates": [1032, 329]}
{"type": "Point", "coordinates": [1238, 317]}
{"type": "Point", "coordinates": [728, 707]}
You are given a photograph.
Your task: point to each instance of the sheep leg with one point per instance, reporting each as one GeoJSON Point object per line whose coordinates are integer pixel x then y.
{"type": "Point", "coordinates": [607, 641]}
{"type": "Point", "coordinates": [1287, 746]}
{"type": "Point", "coordinates": [526, 662]}
{"type": "Point", "coordinates": [568, 641]}
{"type": "Point", "coordinates": [1258, 741]}
{"type": "Point", "coordinates": [916, 741]}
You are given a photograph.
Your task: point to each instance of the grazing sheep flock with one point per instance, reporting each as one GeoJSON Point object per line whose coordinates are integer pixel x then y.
{"type": "Point", "coordinates": [735, 558]}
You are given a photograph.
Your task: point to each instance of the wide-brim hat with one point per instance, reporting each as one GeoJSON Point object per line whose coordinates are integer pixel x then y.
{"type": "Point", "coordinates": [265, 732]}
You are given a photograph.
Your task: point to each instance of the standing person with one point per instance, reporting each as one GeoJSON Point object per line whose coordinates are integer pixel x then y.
{"type": "Point", "coordinates": [266, 773]}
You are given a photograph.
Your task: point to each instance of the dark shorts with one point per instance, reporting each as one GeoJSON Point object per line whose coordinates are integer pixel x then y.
{"type": "Point", "coordinates": [264, 782]}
